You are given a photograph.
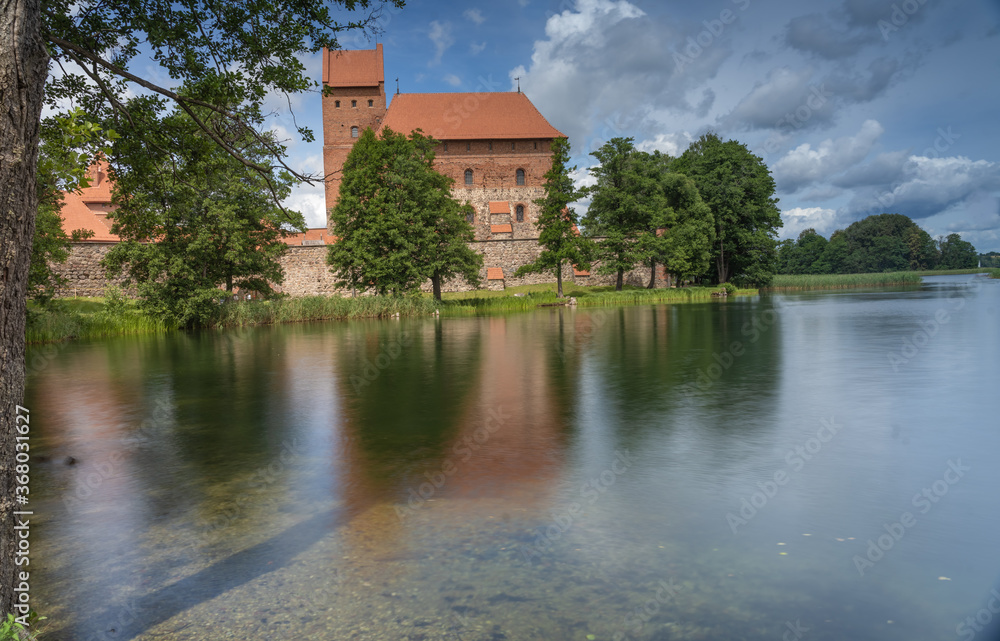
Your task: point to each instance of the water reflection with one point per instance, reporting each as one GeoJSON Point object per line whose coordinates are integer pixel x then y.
{"type": "Point", "coordinates": [533, 476]}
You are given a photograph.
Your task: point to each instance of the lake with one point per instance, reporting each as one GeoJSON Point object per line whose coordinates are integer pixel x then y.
{"type": "Point", "coordinates": [817, 465]}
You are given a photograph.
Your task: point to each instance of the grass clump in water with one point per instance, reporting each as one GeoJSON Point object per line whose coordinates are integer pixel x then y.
{"type": "Point", "coordinates": [319, 308]}
{"type": "Point", "coordinates": [843, 281]}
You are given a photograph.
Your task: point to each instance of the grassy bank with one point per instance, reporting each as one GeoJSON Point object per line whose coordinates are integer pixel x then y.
{"type": "Point", "coordinates": [529, 297]}
{"type": "Point", "coordinates": [842, 281]}
{"type": "Point", "coordinates": [320, 308]}
{"type": "Point", "coordinates": [83, 318]}
{"type": "Point", "coordinates": [995, 273]}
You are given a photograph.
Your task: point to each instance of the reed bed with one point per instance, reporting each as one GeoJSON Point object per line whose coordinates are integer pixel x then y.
{"type": "Point", "coordinates": [843, 281]}
{"type": "Point", "coordinates": [50, 326]}
{"type": "Point", "coordinates": [319, 308]}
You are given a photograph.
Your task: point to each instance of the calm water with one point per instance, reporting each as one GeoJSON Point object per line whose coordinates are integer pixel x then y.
{"type": "Point", "coordinates": [699, 471]}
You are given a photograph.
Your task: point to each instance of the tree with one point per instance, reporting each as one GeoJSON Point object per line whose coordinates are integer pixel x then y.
{"type": "Point", "coordinates": [193, 220]}
{"type": "Point", "coordinates": [957, 253]}
{"type": "Point", "coordinates": [247, 50]}
{"type": "Point", "coordinates": [396, 222]}
{"type": "Point", "coordinates": [623, 204]}
{"type": "Point", "coordinates": [887, 242]}
{"type": "Point", "coordinates": [739, 189]}
{"type": "Point", "coordinates": [557, 221]}
{"type": "Point", "coordinates": [685, 229]}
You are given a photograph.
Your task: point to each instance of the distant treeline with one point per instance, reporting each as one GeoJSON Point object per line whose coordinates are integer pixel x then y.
{"type": "Point", "coordinates": [880, 243]}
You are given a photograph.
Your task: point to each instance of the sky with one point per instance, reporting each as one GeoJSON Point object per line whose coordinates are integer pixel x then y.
{"type": "Point", "coordinates": [858, 107]}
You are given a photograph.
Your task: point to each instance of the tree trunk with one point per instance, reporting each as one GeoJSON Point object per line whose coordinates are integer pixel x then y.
{"type": "Point", "coordinates": [436, 284]}
{"type": "Point", "coordinates": [720, 263]}
{"type": "Point", "coordinates": [559, 293]}
{"type": "Point", "coordinates": [621, 280]}
{"type": "Point", "coordinates": [23, 68]}
{"type": "Point", "coordinates": [652, 274]}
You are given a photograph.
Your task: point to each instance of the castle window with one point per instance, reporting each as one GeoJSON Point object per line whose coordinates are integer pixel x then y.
{"type": "Point", "coordinates": [445, 146]}
{"type": "Point", "coordinates": [490, 145]}
{"type": "Point", "coordinates": [512, 148]}
{"type": "Point", "coordinates": [354, 103]}
{"type": "Point", "coordinates": [354, 132]}
{"type": "Point", "coordinates": [536, 144]}
{"type": "Point", "coordinates": [371, 103]}
{"type": "Point", "coordinates": [468, 176]}
{"type": "Point", "coordinates": [520, 176]}
{"type": "Point", "coordinates": [519, 213]}
{"type": "Point", "coordinates": [470, 217]}
{"type": "Point", "coordinates": [468, 146]}
{"type": "Point", "coordinates": [336, 103]}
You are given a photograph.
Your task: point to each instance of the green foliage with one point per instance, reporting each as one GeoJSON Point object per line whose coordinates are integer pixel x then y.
{"type": "Point", "coordinates": [557, 222]}
{"type": "Point", "coordinates": [957, 253]}
{"type": "Point", "coordinates": [194, 220]}
{"type": "Point", "coordinates": [684, 230]}
{"type": "Point", "coordinates": [843, 281]}
{"type": "Point", "coordinates": [739, 190]}
{"type": "Point", "coordinates": [115, 302]}
{"type": "Point", "coordinates": [320, 308]}
{"type": "Point", "coordinates": [396, 222]}
{"type": "Point", "coordinates": [12, 630]}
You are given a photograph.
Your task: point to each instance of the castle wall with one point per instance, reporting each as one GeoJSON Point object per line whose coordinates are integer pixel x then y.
{"type": "Point", "coordinates": [83, 272]}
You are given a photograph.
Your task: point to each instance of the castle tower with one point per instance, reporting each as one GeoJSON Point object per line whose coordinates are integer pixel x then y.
{"type": "Point", "coordinates": [355, 82]}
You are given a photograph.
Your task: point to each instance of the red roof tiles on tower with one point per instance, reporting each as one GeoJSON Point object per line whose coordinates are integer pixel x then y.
{"type": "Point", "coordinates": [468, 116]}
{"type": "Point", "coordinates": [357, 68]}
{"type": "Point", "coordinates": [499, 207]}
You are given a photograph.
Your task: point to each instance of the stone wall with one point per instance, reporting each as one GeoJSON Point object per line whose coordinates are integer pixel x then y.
{"type": "Point", "coordinates": [83, 271]}
{"type": "Point", "coordinates": [307, 274]}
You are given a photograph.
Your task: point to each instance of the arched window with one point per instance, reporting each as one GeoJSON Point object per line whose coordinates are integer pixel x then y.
{"type": "Point", "coordinates": [470, 217]}
{"type": "Point", "coordinates": [519, 213]}
{"type": "Point", "coordinates": [468, 176]}
{"type": "Point", "coordinates": [336, 103]}
{"type": "Point", "coordinates": [520, 176]}
{"type": "Point", "coordinates": [354, 132]}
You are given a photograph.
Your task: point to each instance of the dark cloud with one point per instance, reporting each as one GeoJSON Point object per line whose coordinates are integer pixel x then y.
{"type": "Point", "coordinates": [816, 34]}
{"type": "Point", "coordinates": [884, 169]}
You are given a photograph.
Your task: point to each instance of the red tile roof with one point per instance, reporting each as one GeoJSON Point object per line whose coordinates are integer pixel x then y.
{"type": "Point", "coordinates": [499, 207]}
{"type": "Point", "coordinates": [77, 215]}
{"type": "Point", "coordinates": [580, 272]}
{"type": "Point", "coordinates": [99, 190]}
{"type": "Point", "coordinates": [318, 236]}
{"type": "Point", "coordinates": [468, 116]}
{"type": "Point", "coordinates": [494, 273]}
{"type": "Point", "coordinates": [501, 229]}
{"type": "Point", "coordinates": [359, 68]}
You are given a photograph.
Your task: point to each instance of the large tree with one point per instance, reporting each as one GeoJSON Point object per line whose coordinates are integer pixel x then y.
{"type": "Point", "coordinates": [248, 50]}
{"type": "Point", "coordinates": [396, 222]}
{"type": "Point", "coordinates": [957, 253]}
{"type": "Point", "coordinates": [625, 201]}
{"type": "Point", "coordinates": [214, 220]}
{"type": "Point", "coordinates": [558, 233]}
{"type": "Point", "coordinates": [739, 189]}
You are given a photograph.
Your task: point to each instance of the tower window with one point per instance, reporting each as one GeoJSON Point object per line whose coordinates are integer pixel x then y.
{"type": "Point", "coordinates": [445, 145]}
{"type": "Point", "coordinates": [536, 144]}
{"type": "Point", "coordinates": [470, 217]}
{"type": "Point", "coordinates": [512, 148]}
{"type": "Point", "coordinates": [490, 145]}
{"type": "Point", "coordinates": [468, 146]}
{"type": "Point", "coordinates": [371, 103]}
{"type": "Point", "coordinates": [354, 103]}
{"type": "Point", "coordinates": [519, 213]}
{"type": "Point", "coordinates": [336, 103]}
{"type": "Point", "coordinates": [468, 176]}
{"type": "Point", "coordinates": [520, 176]}
{"type": "Point", "coordinates": [354, 132]}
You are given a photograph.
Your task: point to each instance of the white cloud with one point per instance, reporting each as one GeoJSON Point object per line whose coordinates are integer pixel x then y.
{"type": "Point", "coordinates": [452, 80]}
{"type": "Point", "coordinates": [806, 164]}
{"type": "Point", "coordinates": [440, 35]}
{"type": "Point", "coordinates": [476, 48]}
{"type": "Point", "coordinates": [474, 15]}
{"type": "Point", "coordinates": [796, 220]}
{"type": "Point", "coordinates": [311, 201]}
{"type": "Point", "coordinates": [671, 144]}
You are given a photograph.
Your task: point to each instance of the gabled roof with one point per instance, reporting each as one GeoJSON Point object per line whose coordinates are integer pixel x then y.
{"type": "Point", "coordinates": [99, 190]}
{"type": "Point", "coordinates": [77, 215]}
{"type": "Point", "coordinates": [356, 68]}
{"type": "Point", "coordinates": [468, 116]}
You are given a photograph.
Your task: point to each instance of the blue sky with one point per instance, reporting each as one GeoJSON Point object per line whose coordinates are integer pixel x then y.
{"type": "Point", "coordinates": [857, 106]}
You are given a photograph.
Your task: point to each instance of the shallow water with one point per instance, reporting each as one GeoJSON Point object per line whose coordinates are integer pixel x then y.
{"type": "Point", "coordinates": [551, 475]}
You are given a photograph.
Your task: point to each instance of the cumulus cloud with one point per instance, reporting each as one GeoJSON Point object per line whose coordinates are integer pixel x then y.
{"type": "Point", "coordinates": [440, 34]}
{"type": "Point", "coordinates": [673, 144]}
{"type": "Point", "coordinates": [884, 169]}
{"type": "Point", "coordinates": [807, 164]}
{"type": "Point", "coordinates": [452, 80]}
{"type": "Point", "coordinates": [474, 15]}
{"type": "Point", "coordinates": [784, 100]}
{"type": "Point", "coordinates": [607, 60]}
{"type": "Point", "coordinates": [796, 220]}
{"type": "Point", "coordinates": [930, 186]}
{"type": "Point", "coordinates": [476, 48]}
{"type": "Point", "coordinates": [311, 201]}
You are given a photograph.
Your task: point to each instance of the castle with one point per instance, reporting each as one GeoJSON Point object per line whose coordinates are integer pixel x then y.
{"type": "Point", "coordinates": [495, 146]}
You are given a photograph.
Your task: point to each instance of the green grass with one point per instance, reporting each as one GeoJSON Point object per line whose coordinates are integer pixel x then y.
{"type": "Point", "coordinates": [995, 273]}
{"type": "Point", "coordinates": [528, 297]}
{"type": "Point", "coordinates": [83, 318]}
{"type": "Point", "coordinates": [320, 308]}
{"type": "Point", "coordinates": [947, 272]}
{"type": "Point", "coordinates": [843, 281]}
